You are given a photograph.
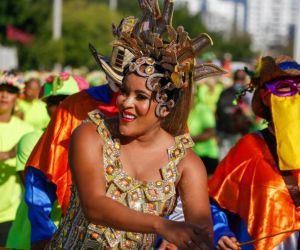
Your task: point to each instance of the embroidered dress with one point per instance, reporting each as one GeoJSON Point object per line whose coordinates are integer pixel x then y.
{"type": "Point", "coordinates": [157, 198]}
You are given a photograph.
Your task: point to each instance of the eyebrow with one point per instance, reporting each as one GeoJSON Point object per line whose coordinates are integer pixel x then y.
{"type": "Point", "coordinates": [138, 91]}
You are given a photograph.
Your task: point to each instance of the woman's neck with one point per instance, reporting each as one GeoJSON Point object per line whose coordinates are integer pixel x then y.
{"type": "Point", "coordinates": [147, 139]}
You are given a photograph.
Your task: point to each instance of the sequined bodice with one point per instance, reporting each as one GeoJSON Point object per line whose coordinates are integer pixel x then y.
{"type": "Point", "coordinates": [157, 198]}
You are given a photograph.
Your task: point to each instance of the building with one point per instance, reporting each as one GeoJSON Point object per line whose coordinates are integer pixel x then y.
{"type": "Point", "coordinates": [271, 23]}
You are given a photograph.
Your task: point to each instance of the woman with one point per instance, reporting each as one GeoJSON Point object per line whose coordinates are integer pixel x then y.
{"type": "Point", "coordinates": [129, 170]}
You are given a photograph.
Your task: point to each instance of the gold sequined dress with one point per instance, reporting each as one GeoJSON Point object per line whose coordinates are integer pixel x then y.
{"type": "Point", "coordinates": [158, 198]}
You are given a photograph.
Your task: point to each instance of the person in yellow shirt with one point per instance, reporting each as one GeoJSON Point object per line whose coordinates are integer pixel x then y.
{"type": "Point", "coordinates": [11, 130]}
{"type": "Point", "coordinates": [32, 109]}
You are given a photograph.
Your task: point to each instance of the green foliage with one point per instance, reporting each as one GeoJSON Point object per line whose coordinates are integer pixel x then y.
{"type": "Point", "coordinates": [237, 45]}
{"type": "Point", "coordinates": [89, 21]}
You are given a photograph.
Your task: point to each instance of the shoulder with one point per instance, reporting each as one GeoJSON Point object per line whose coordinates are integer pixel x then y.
{"type": "Point", "coordinates": [191, 163]}
{"type": "Point", "coordinates": [30, 138]}
{"type": "Point", "coordinates": [86, 134]}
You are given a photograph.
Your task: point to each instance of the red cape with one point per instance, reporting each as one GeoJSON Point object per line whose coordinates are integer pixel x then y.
{"type": "Point", "coordinates": [50, 155]}
{"type": "Point", "coordinates": [248, 183]}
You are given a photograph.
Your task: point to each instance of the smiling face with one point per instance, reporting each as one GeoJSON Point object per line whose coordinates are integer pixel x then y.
{"type": "Point", "coordinates": [136, 107]}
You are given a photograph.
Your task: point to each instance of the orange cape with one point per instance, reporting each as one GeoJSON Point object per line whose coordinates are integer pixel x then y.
{"type": "Point", "coordinates": [247, 182]}
{"type": "Point", "coordinates": [50, 155]}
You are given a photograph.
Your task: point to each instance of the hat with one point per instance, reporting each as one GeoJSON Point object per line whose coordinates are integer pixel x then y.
{"type": "Point", "coordinates": [10, 78]}
{"type": "Point", "coordinates": [62, 84]}
{"type": "Point", "coordinates": [120, 56]}
{"type": "Point", "coordinates": [267, 69]}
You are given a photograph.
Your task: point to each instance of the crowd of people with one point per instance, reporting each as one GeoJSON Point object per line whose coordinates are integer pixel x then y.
{"type": "Point", "coordinates": [164, 155]}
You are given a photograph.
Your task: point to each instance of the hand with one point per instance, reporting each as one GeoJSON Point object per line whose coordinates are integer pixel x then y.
{"type": "Point", "coordinates": [8, 154]}
{"type": "Point", "coordinates": [185, 235]}
{"type": "Point", "coordinates": [4, 156]}
{"type": "Point", "coordinates": [228, 243]}
{"type": "Point", "coordinates": [165, 245]}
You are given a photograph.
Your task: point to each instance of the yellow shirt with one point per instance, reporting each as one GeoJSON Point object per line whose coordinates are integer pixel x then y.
{"type": "Point", "coordinates": [10, 186]}
{"type": "Point", "coordinates": [35, 113]}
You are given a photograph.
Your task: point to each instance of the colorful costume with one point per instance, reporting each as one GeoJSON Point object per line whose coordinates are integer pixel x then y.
{"type": "Point", "coordinates": [248, 183]}
{"type": "Point", "coordinates": [47, 175]}
{"type": "Point", "coordinates": [257, 183]}
{"type": "Point", "coordinates": [158, 198]}
{"type": "Point", "coordinates": [47, 167]}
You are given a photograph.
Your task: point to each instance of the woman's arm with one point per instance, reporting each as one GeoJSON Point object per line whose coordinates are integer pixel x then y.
{"type": "Point", "coordinates": [194, 194]}
{"type": "Point", "coordinates": [86, 161]}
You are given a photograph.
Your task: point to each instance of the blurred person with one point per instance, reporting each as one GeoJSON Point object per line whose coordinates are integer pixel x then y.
{"type": "Point", "coordinates": [30, 108]}
{"type": "Point", "coordinates": [128, 170]}
{"type": "Point", "coordinates": [11, 130]}
{"type": "Point", "coordinates": [201, 124]}
{"type": "Point", "coordinates": [233, 120]}
{"type": "Point", "coordinates": [47, 172]}
{"type": "Point", "coordinates": [54, 91]}
{"type": "Point", "coordinates": [255, 189]}
{"type": "Point", "coordinates": [209, 90]}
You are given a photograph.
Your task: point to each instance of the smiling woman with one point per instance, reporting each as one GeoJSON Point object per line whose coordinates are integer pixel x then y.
{"type": "Point", "coordinates": [129, 170]}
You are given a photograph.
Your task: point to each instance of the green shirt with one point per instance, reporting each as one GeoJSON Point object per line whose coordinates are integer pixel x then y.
{"type": "Point", "coordinates": [209, 96]}
{"type": "Point", "coordinates": [201, 118]}
{"type": "Point", "coordinates": [35, 113]}
{"type": "Point", "coordinates": [25, 147]}
{"type": "Point", "coordinates": [10, 186]}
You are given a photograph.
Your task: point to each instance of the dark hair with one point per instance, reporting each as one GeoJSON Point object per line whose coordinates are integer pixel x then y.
{"type": "Point", "coordinates": [259, 108]}
{"type": "Point", "coordinates": [176, 121]}
{"type": "Point", "coordinates": [9, 88]}
{"type": "Point", "coordinates": [55, 99]}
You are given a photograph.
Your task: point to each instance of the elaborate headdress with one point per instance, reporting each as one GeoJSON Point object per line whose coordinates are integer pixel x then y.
{"type": "Point", "coordinates": [12, 79]}
{"type": "Point", "coordinates": [162, 54]}
{"type": "Point", "coordinates": [120, 57]}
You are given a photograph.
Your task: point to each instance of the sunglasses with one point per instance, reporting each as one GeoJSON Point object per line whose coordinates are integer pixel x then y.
{"type": "Point", "coordinates": [284, 87]}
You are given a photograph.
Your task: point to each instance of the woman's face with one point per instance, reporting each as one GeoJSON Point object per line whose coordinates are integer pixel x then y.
{"type": "Point", "coordinates": [7, 101]}
{"type": "Point", "coordinates": [136, 107]}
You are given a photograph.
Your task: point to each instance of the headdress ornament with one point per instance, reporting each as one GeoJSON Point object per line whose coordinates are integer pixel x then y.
{"type": "Point", "coordinates": [11, 78]}
{"type": "Point", "coordinates": [120, 56]}
{"type": "Point", "coordinates": [160, 51]}
{"type": "Point", "coordinates": [62, 84]}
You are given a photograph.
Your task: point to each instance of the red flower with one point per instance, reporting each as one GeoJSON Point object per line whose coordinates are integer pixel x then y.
{"type": "Point", "coordinates": [50, 79]}
{"type": "Point", "coordinates": [64, 76]}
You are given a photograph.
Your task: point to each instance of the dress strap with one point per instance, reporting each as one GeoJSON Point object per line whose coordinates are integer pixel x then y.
{"type": "Point", "coordinates": [178, 151]}
{"type": "Point", "coordinates": [98, 118]}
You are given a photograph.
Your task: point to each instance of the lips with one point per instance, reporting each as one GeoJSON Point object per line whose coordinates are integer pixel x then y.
{"type": "Point", "coordinates": [127, 116]}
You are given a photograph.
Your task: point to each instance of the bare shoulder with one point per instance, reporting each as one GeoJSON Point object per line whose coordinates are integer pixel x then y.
{"type": "Point", "coordinates": [191, 163]}
{"type": "Point", "coordinates": [86, 133]}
